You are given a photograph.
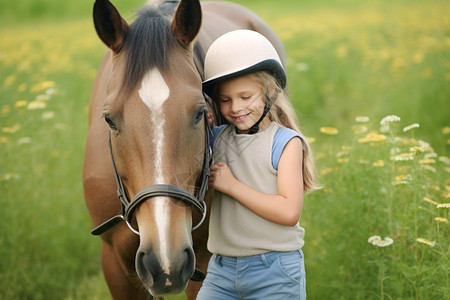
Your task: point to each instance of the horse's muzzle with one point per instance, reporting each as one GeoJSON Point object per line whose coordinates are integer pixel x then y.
{"type": "Point", "coordinates": [165, 277]}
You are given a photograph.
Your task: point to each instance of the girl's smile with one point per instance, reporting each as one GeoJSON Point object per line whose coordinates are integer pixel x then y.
{"type": "Point", "coordinates": [242, 102]}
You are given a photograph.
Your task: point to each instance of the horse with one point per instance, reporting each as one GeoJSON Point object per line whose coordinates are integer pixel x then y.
{"type": "Point", "coordinates": [148, 141]}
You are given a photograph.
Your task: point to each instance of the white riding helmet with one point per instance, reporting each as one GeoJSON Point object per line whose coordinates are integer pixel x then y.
{"type": "Point", "coordinates": [238, 53]}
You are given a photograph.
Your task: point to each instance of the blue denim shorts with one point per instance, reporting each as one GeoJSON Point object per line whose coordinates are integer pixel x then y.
{"type": "Point", "coordinates": [271, 275]}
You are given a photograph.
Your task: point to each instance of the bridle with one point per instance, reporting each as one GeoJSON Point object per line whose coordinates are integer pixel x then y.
{"type": "Point", "coordinates": [159, 190]}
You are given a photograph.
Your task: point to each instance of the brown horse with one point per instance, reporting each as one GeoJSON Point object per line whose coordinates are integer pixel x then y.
{"type": "Point", "coordinates": [148, 137]}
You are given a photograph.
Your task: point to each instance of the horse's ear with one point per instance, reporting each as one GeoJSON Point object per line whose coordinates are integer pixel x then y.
{"type": "Point", "coordinates": [109, 24]}
{"type": "Point", "coordinates": [187, 21]}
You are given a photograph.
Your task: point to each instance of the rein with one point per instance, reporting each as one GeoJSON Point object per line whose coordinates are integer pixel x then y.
{"type": "Point", "coordinates": [158, 190]}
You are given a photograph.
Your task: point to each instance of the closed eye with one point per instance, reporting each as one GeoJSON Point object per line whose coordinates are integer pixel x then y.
{"type": "Point", "coordinates": [110, 123]}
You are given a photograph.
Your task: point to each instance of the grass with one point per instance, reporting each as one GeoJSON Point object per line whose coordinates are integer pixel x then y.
{"type": "Point", "coordinates": [346, 59]}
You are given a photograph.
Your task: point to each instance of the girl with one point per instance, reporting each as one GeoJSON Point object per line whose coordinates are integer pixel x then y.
{"type": "Point", "coordinates": [262, 168]}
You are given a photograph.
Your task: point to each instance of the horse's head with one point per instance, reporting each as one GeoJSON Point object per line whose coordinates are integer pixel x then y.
{"type": "Point", "coordinates": [155, 111]}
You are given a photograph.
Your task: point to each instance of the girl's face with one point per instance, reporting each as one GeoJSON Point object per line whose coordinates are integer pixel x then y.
{"type": "Point", "coordinates": [241, 102]}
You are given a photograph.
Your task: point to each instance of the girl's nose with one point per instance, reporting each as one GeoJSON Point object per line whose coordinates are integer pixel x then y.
{"type": "Point", "coordinates": [236, 106]}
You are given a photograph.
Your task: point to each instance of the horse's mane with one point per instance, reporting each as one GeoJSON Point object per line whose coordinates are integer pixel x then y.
{"type": "Point", "coordinates": [148, 43]}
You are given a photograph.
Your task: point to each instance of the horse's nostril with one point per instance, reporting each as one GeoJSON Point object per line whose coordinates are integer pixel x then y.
{"type": "Point", "coordinates": [189, 264]}
{"type": "Point", "coordinates": [147, 264]}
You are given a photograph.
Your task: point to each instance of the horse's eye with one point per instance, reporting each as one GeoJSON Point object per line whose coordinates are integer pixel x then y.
{"type": "Point", "coordinates": [110, 123]}
{"type": "Point", "coordinates": [199, 116]}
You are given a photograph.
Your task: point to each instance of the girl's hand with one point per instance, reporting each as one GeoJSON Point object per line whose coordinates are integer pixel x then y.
{"type": "Point", "coordinates": [221, 177]}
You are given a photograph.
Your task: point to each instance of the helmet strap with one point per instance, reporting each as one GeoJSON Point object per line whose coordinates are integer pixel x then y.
{"type": "Point", "coordinates": [255, 128]}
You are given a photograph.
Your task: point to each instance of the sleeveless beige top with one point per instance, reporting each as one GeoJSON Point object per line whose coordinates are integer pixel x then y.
{"type": "Point", "coordinates": [235, 230]}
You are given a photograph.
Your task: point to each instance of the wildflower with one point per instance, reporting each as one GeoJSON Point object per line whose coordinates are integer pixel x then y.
{"type": "Point", "coordinates": [9, 176]}
{"type": "Point", "coordinates": [416, 149]}
{"type": "Point", "coordinates": [377, 241]}
{"type": "Point", "coordinates": [12, 129]}
{"type": "Point", "coordinates": [311, 139]}
{"type": "Point", "coordinates": [43, 97]}
{"type": "Point", "coordinates": [24, 140]}
{"type": "Point", "coordinates": [426, 242]}
{"type": "Point", "coordinates": [444, 159]}
{"type": "Point", "coordinates": [372, 137]}
{"type": "Point", "coordinates": [409, 127]}
{"type": "Point", "coordinates": [342, 160]}
{"type": "Point", "coordinates": [4, 139]}
{"type": "Point", "coordinates": [389, 119]}
{"type": "Point", "coordinates": [358, 129]}
{"type": "Point", "coordinates": [425, 146]}
{"type": "Point", "coordinates": [326, 171]}
{"type": "Point", "coordinates": [430, 201]}
{"type": "Point", "coordinates": [6, 109]}
{"type": "Point", "coordinates": [22, 87]}
{"type": "Point", "coordinates": [446, 130]}
{"type": "Point", "coordinates": [400, 182]}
{"type": "Point", "coordinates": [42, 86]}
{"type": "Point", "coordinates": [329, 130]}
{"type": "Point", "coordinates": [378, 163]}
{"type": "Point", "coordinates": [36, 105]}
{"type": "Point", "coordinates": [48, 115]}
{"type": "Point", "coordinates": [429, 168]}
{"type": "Point", "coordinates": [362, 119]}
{"type": "Point", "coordinates": [302, 67]}
{"type": "Point", "coordinates": [21, 103]}
{"type": "Point", "coordinates": [403, 156]}
{"type": "Point", "coordinates": [443, 205]}
{"type": "Point", "coordinates": [342, 153]}
{"type": "Point", "coordinates": [427, 161]}
{"type": "Point", "coordinates": [431, 155]}
{"type": "Point", "coordinates": [439, 219]}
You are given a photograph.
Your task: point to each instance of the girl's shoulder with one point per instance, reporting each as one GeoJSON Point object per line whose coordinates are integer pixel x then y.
{"type": "Point", "coordinates": [216, 131]}
{"type": "Point", "coordinates": [280, 140]}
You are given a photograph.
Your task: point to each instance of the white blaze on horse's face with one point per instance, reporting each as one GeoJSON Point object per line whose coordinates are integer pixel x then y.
{"type": "Point", "coordinates": [154, 92]}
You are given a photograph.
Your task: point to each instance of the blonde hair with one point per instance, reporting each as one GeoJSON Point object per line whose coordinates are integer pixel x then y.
{"type": "Point", "coordinates": [282, 112]}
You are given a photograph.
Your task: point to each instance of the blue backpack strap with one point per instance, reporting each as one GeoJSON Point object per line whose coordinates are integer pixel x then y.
{"type": "Point", "coordinates": [280, 140]}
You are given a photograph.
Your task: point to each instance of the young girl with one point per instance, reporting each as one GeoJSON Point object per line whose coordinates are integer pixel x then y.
{"type": "Point", "coordinates": [262, 168]}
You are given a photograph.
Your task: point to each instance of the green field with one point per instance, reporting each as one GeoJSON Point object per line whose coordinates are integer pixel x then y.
{"type": "Point", "coordinates": [350, 64]}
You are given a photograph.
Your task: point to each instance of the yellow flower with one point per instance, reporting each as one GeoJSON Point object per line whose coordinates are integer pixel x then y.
{"type": "Point", "coordinates": [342, 160]}
{"type": "Point", "coordinates": [427, 161]}
{"type": "Point", "coordinates": [4, 139]}
{"type": "Point", "coordinates": [21, 103]}
{"type": "Point", "coordinates": [372, 137]}
{"type": "Point", "coordinates": [446, 130]}
{"type": "Point", "coordinates": [439, 219]}
{"type": "Point", "coordinates": [329, 130]}
{"type": "Point", "coordinates": [326, 171]}
{"type": "Point", "coordinates": [42, 86]}
{"type": "Point", "coordinates": [430, 201]}
{"type": "Point", "coordinates": [311, 139]}
{"type": "Point", "coordinates": [426, 242]}
{"type": "Point", "coordinates": [22, 87]}
{"type": "Point", "coordinates": [10, 79]}
{"type": "Point", "coordinates": [12, 129]}
{"type": "Point", "coordinates": [378, 163]}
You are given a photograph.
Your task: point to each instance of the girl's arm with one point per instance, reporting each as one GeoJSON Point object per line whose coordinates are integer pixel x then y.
{"type": "Point", "coordinates": [284, 208]}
